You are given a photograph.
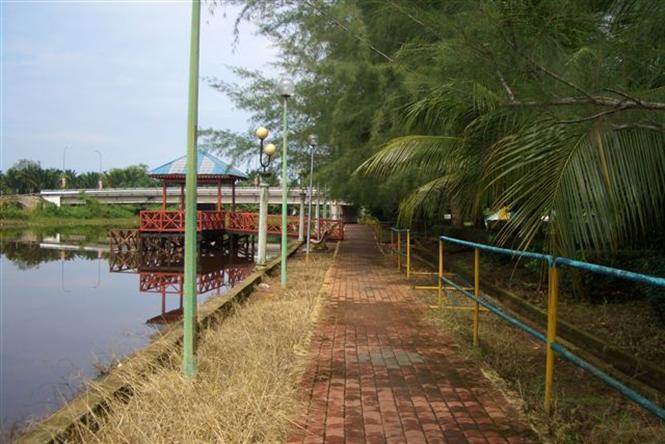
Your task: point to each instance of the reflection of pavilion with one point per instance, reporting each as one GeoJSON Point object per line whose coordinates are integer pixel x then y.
{"type": "Point", "coordinates": [163, 274]}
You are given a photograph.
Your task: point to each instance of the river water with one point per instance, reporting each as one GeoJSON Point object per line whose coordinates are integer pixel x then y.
{"type": "Point", "coordinates": [66, 312]}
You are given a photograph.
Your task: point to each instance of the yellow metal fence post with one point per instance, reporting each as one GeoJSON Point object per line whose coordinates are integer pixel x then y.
{"type": "Point", "coordinates": [476, 292]}
{"type": "Point", "coordinates": [408, 254]}
{"type": "Point", "coordinates": [440, 275]}
{"type": "Point", "coordinates": [552, 303]}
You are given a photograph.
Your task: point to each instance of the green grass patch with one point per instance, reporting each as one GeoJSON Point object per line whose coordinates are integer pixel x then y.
{"type": "Point", "coordinates": [46, 214]}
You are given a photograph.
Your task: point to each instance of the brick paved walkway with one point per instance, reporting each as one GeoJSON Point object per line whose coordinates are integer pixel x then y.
{"type": "Point", "coordinates": [380, 372]}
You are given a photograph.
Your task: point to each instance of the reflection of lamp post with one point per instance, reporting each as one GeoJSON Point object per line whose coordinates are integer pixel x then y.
{"type": "Point", "coordinates": [312, 141]}
{"type": "Point", "coordinates": [268, 150]}
{"type": "Point", "coordinates": [284, 89]}
{"type": "Point", "coordinates": [100, 185]}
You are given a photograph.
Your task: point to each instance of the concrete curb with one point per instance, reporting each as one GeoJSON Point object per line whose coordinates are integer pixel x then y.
{"type": "Point", "coordinates": [58, 426]}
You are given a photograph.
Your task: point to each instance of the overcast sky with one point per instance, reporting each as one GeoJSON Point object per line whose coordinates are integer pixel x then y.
{"type": "Point", "coordinates": [112, 76]}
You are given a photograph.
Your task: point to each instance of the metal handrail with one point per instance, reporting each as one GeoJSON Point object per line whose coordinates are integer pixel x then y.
{"type": "Point", "coordinates": [550, 339]}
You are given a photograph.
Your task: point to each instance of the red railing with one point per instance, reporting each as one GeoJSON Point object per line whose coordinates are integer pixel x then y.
{"type": "Point", "coordinates": [235, 221]}
{"type": "Point", "coordinates": [172, 282]}
{"type": "Point", "coordinates": [249, 223]}
{"type": "Point", "coordinates": [333, 226]}
{"type": "Point", "coordinates": [174, 221]}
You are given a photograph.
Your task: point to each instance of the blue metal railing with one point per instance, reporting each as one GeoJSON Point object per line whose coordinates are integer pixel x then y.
{"type": "Point", "coordinates": [555, 261]}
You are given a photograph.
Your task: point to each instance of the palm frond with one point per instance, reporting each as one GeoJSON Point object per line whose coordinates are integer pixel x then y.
{"type": "Point", "coordinates": [427, 200]}
{"type": "Point", "coordinates": [601, 188]}
{"type": "Point", "coordinates": [433, 153]}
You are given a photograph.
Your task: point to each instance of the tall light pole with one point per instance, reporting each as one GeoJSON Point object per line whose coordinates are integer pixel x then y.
{"type": "Point", "coordinates": [285, 89]}
{"type": "Point", "coordinates": [100, 185]}
{"type": "Point", "coordinates": [63, 182]}
{"type": "Point", "coordinates": [312, 141]}
{"type": "Point", "coordinates": [189, 306]}
{"type": "Point", "coordinates": [269, 150]}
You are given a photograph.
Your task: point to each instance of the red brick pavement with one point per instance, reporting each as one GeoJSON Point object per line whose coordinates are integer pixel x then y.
{"type": "Point", "coordinates": [379, 372]}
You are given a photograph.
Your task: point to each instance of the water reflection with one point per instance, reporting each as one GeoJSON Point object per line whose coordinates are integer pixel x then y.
{"type": "Point", "coordinates": [163, 274]}
{"type": "Point", "coordinates": [69, 308]}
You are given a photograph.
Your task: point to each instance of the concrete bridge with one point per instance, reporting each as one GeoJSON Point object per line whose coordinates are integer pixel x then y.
{"type": "Point", "coordinates": [205, 195]}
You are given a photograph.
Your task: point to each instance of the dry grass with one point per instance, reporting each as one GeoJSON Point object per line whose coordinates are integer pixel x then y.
{"type": "Point", "coordinates": [249, 369]}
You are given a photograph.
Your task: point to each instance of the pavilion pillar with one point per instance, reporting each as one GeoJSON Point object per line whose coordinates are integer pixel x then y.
{"type": "Point", "coordinates": [182, 196]}
{"type": "Point", "coordinates": [164, 195]}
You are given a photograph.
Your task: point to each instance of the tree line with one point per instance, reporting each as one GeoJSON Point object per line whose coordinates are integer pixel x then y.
{"type": "Point", "coordinates": [554, 109]}
{"type": "Point", "coordinates": [27, 176]}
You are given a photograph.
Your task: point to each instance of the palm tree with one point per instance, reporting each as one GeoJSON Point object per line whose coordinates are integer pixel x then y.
{"type": "Point", "coordinates": [520, 121]}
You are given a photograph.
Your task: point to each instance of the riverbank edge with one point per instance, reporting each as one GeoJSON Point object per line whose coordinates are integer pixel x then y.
{"type": "Point", "coordinates": [56, 427]}
{"type": "Point", "coordinates": [67, 222]}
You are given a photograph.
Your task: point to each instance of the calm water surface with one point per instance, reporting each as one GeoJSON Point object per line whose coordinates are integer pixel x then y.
{"type": "Point", "coordinates": [64, 314]}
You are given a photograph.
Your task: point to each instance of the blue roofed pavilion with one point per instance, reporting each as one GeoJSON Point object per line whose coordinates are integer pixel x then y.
{"type": "Point", "coordinates": [209, 169]}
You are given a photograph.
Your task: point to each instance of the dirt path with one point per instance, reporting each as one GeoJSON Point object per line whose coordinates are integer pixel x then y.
{"type": "Point", "coordinates": [379, 372]}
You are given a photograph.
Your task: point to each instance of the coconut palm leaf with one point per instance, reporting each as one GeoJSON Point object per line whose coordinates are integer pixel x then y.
{"type": "Point", "coordinates": [430, 153]}
{"type": "Point", "coordinates": [428, 199]}
{"type": "Point", "coordinates": [601, 187]}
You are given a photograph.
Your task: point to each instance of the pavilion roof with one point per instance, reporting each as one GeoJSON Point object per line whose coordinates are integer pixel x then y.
{"type": "Point", "coordinates": [208, 168]}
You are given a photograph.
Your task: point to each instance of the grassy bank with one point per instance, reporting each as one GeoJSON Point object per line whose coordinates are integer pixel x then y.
{"type": "Point", "coordinates": [37, 213]}
{"type": "Point", "coordinates": [249, 369]}
{"type": "Point", "coordinates": [125, 222]}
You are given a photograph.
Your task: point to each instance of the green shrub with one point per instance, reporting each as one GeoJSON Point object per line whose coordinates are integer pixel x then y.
{"type": "Point", "coordinates": [91, 209]}
{"type": "Point", "coordinates": [12, 211]}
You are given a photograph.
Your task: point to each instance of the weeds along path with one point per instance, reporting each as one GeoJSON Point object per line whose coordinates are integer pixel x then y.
{"type": "Point", "coordinates": [379, 371]}
{"type": "Point", "coordinates": [249, 368]}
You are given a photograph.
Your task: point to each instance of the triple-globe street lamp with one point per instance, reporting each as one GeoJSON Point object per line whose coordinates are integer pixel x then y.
{"type": "Point", "coordinates": [265, 156]}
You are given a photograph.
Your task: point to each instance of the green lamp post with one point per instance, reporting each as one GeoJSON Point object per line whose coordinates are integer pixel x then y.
{"type": "Point", "coordinates": [189, 306]}
{"type": "Point", "coordinates": [285, 89]}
